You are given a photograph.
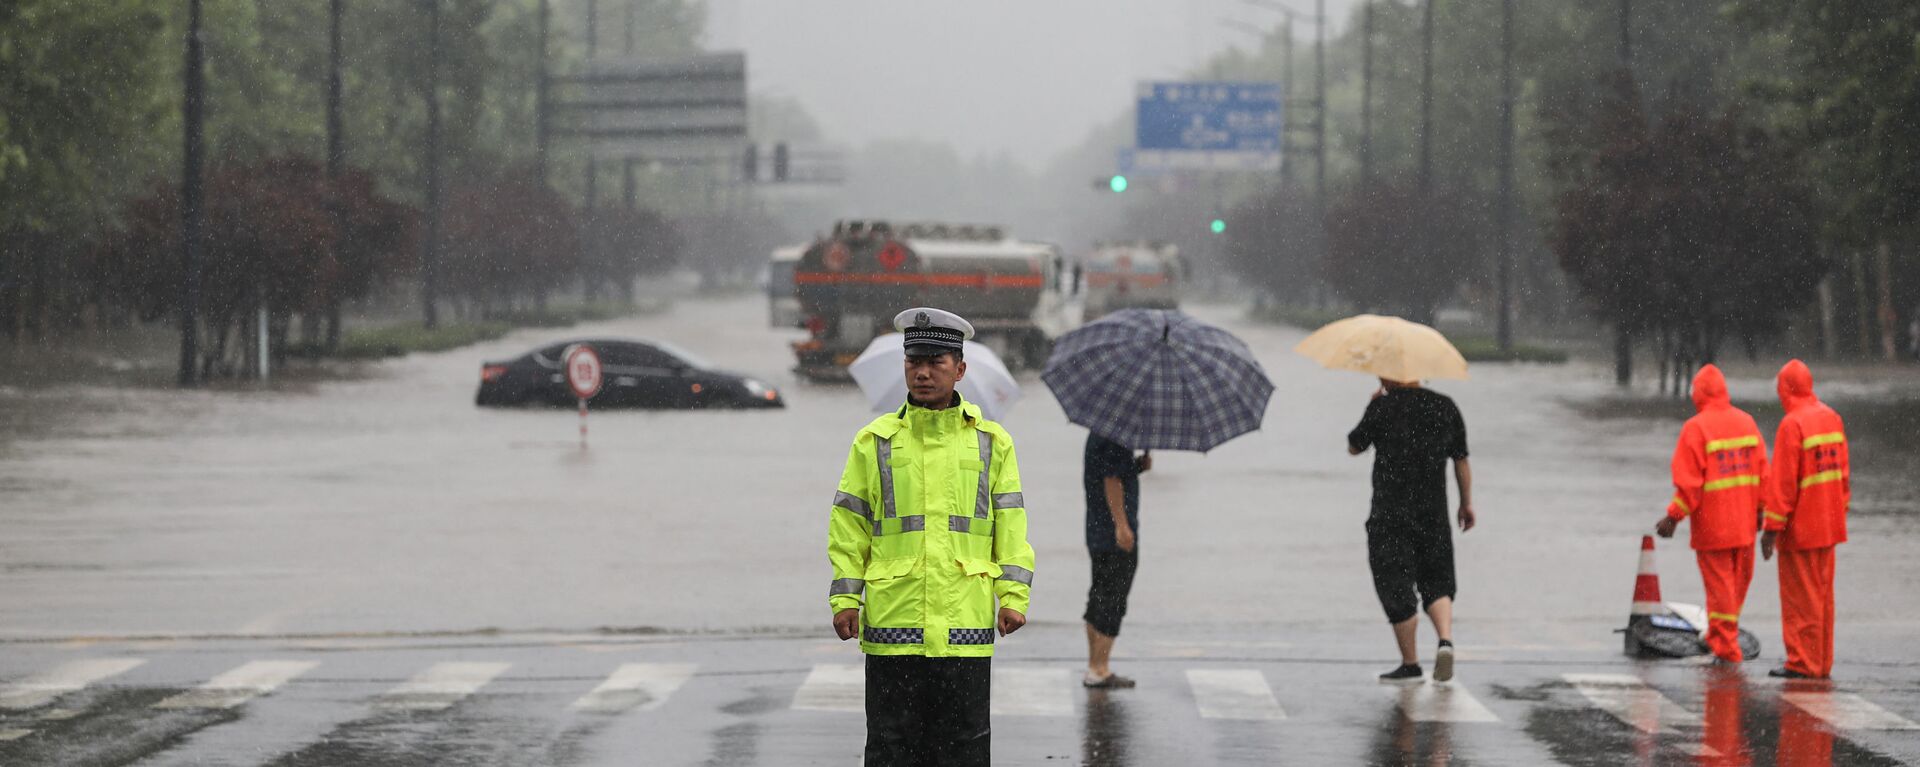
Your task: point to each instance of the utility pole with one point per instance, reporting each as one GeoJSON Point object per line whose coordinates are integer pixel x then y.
{"type": "Point", "coordinates": [1320, 105]}
{"type": "Point", "coordinates": [1366, 90]}
{"type": "Point", "coordinates": [632, 12]}
{"type": "Point", "coordinates": [1626, 33]}
{"type": "Point", "coordinates": [1426, 98]}
{"type": "Point", "coordinates": [1504, 217]}
{"type": "Point", "coordinates": [191, 215]}
{"type": "Point", "coordinates": [336, 148]}
{"type": "Point", "coordinates": [540, 85]}
{"type": "Point", "coordinates": [593, 29]}
{"type": "Point", "coordinates": [1286, 92]}
{"type": "Point", "coordinates": [430, 256]}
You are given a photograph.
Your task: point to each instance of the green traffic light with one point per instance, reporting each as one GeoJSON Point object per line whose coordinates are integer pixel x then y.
{"type": "Point", "coordinates": [1218, 226]}
{"type": "Point", "coordinates": [1117, 183]}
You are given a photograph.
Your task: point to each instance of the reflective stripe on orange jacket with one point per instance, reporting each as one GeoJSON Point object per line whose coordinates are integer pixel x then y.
{"type": "Point", "coordinates": [1810, 482]}
{"type": "Point", "coordinates": [1717, 468]}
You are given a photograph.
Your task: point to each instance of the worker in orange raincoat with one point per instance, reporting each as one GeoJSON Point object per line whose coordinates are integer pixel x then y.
{"type": "Point", "coordinates": [1807, 492]}
{"type": "Point", "coordinates": [1717, 471]}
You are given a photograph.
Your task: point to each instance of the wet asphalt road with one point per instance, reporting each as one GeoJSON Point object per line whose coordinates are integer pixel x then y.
{"type": "Point", "coordinates": [382, 527]}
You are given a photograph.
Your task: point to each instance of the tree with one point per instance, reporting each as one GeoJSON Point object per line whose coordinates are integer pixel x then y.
{"type": "Point", "coordinates": [1696, 230]}
{"type": "Point", "coordinates": [1275, 243]}
{"type": "Point", "coordinates": [508, 237]}
{"type": "Point", "coordinates": [632, 244]}
{"type": "Point", "coordinates": [1394, 247]}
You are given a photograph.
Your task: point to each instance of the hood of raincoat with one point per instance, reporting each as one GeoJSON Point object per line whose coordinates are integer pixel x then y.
{"type": "Point", "coordinates": [1795, 384]}
{"type": "Point", "coordinates": [1710, 389]}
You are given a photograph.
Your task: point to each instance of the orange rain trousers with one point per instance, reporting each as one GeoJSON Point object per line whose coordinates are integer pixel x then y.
{"type": "Point", "coordinates": [1726, 574]}
{"type": "Point", "coordinates": [1806, 609]}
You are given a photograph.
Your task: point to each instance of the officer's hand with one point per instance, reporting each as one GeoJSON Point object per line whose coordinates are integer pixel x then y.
{"type": "Point", "coordinates": [1767, 541]}
{"type": "Point", "coordinates": [846, 623]}
{"type": "Point", "coordinates": [1011, 620]}
{"type": "Point", "coordinates": [1123, 537]}
{"type": "Point", "coordinates": [1666, 527]}
{"type": "Point", "coordinates": [1145, 463]}
{"type": "Point", "coordinates": [1466, 517]}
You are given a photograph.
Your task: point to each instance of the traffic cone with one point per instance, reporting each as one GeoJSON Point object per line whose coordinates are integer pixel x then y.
{"type": "Point", "coordinates": [1646, 597]}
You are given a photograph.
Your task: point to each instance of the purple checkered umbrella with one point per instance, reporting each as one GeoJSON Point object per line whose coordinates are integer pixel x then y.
{"type": "Point", "coordinates": [1157, 379]}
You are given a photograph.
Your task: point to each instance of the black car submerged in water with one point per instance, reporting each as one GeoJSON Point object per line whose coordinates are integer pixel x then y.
{"type": "Point", "coordinates": [634, 373]}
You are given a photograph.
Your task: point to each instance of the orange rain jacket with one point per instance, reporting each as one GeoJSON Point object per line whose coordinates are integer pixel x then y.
{"type": "Point", "coordinates": [1717, 468]}
{"type": "Point", "coordinates": [1810, 484]}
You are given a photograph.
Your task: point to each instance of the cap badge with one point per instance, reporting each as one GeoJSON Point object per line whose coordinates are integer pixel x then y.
{"type": "Point", "coordinates": [922, 321]}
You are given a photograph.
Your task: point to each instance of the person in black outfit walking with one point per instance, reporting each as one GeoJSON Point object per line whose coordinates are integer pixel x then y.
{"type": "Point", "coordinates": [1414, 432]}
{"type": "Point", "coordinates": [1111, 476]}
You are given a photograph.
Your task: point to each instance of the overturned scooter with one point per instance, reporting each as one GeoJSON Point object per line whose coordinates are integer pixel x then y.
{"type": "Point", "coordinates": [1658, 629]}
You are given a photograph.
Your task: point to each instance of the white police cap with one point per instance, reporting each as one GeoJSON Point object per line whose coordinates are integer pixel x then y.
{"type": "Point", "coordinates": [932, 331]}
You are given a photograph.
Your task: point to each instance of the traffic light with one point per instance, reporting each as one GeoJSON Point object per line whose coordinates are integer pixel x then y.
{"type": "Point", "coordinates": [750, 164]}
{"type": "Point", "coordinates": [1118, 183]}
{"type": "Point", "coordinates": [780, 161]}
{"type": "Point", "coordinates": [1218, 226]}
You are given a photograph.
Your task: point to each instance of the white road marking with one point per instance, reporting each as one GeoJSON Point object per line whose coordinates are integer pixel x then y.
{"type": "Point", "coordinates": [643, 685]}
{"type": "Point", "coordinates": [1032, 692]}
{"type": "Point", "coordinates": [833, 687]}
{"type": "Point", "coordinates": [6, 735]}
{"type": "Point", "coordinates": [1631, 701]}
{"type": "Point", "coordinates": [1847, 711]}
{"type": "Point", "coordinates": [1233, 694]}
{"type": "Point", "coordinates": [440, 686]}
{"type": "Point", "coordinates": [37, 691]}
{"type": "Point", "coordinates": [1442, 703]}
{"type": "Point", "coordinates": [242, 684]}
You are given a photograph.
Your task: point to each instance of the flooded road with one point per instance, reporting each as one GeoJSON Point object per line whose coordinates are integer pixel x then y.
{"type": "Point", "coordinates": [387, 524]}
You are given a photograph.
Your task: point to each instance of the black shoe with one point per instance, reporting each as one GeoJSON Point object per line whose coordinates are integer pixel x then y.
{"type": "Point", "coordinates": [1443, 663]}
{"type": "Point", "coordinates": [1407, 673]}
{"type": "Point", "coordinates": [1787, 673]}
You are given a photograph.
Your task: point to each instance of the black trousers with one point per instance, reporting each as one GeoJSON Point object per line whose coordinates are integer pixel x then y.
{"type": "Point", "coordinates": [929, 711]}
{"type": "Point", "coordinates": [1412, 562]}
{"type": "Point", "coordinates": [1107, 596]}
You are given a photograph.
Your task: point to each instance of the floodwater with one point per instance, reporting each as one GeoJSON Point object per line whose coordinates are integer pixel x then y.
{"type": "Point", "coordinates": [385, 511]}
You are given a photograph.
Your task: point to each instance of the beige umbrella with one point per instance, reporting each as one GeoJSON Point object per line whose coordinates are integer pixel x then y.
{"type": "Point", "coordinates": [1387, 347]}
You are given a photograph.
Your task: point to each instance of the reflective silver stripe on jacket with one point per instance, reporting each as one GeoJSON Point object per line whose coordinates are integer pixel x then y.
{"type": "Point", "coordinates": [852, 503]}
{"type": "Point", "coordinates": [1009, 501]}
{"type": "Point", "coordinates": [960, 524]}
{"type": "Point", "coordinates": [884, 449]}
{"type": "Point", "coordinates": [1016, 573]}
{"type": "Point", "coordinates": [845, 586]}
{"type": "Point", "coordinates": [907, 525]}
{"type": "Point", "coordinates": [986, 469]}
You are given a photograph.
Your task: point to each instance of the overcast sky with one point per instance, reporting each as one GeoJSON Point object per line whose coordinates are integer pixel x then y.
{"type": "Point", "coordinates": [1025, 77]}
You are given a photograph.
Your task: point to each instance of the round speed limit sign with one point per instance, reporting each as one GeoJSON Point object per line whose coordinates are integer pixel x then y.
{"type": "Point", "coordinates": [583, 371]}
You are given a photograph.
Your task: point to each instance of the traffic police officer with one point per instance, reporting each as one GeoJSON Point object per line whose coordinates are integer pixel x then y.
{"type": "Point", "coordinates": [930, 525]}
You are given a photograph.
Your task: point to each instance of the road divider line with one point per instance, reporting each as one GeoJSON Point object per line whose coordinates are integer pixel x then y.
{"type": "Point", "coordinates": [1441, 703]}
{"type": "Point", "coordinates": [1032, 692]}
{"type": "Point", "coordinates": [1847, 711]}
{"type": "Point", "coordinates": [440, 686]}
{"type": "Point", "coordinates": [1233, 694]}
{"type": "Point", "coordinates": [833, 687]}
{"type": "Point", "coordinates": [1629, 699]}
{"type": "Point", "coordinates": [645, 686]}
{"type": "Point", "coordinates": [244, 683]}
{"type": "Point", "coordinates": [37, 691]}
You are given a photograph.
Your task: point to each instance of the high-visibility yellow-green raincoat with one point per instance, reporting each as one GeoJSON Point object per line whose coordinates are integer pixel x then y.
{"type": "Point", "coordinates": [930, 524]}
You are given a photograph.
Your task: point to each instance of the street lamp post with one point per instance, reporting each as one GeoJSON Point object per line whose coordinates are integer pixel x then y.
{"type": "Point", "coordinates": [430, 248]}
{"type": "Point", "coordinates": [1504, 219]}
{"type": "Point", "coordinates": [1319, 20]}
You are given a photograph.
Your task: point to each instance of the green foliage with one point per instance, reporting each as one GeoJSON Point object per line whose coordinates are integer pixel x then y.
{"type": "Point", "coordinates": [401, 340]}
{"type": "Point", "coordinates": [1396, 248]}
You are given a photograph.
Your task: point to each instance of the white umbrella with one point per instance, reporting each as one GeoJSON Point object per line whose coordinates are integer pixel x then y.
{"type": "Point", "coordinates": [879, 372]}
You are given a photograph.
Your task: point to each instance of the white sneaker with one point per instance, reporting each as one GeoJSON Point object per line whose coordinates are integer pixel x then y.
{"type": "Point", "coordinates": [1443, 664]}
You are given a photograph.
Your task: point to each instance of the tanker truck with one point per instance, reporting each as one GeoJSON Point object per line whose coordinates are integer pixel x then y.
{"type": "Point", "coordinates": [852, 282]}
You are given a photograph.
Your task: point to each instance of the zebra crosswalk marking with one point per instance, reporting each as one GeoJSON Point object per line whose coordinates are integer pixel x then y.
{"type": "Point", "coordinates": [1846, 711]}
{"type": "Point", "coordinates": [645, 686]}
{"type": "Point", "coordinates": [1442, 703]}
{"type": "Point", "coordinates": [244, 683]}
{"type": "Point", "coordinates": [833, 687]}
{"type": "Point", "coordinates": [1032, 692]}
{"type": "Point", "coordinates": [7, 735]}
{"type": "Point", "coordinates": [36, 691]}
{"type": "Point", "coordinates": [1233, 694]}
{"type": "Point", "coordinates": [1627, 698]}
{"type": "Point", "coordinates": [440, 686]}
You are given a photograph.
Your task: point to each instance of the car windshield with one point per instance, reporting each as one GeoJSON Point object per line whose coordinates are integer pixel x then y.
{"type": "Point", "coordinates": [692, 360]}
